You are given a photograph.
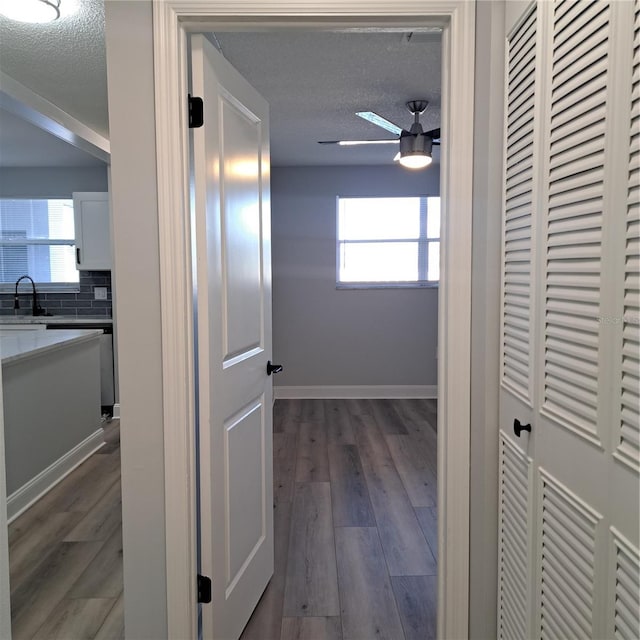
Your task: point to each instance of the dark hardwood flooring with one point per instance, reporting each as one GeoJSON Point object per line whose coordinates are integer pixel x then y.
{"type": "Point", "coordinates": [355, 522]}
{"type": "Point", "coordinates": [355, 533]}
{"type": "Point", "coordinates": [65, 555]}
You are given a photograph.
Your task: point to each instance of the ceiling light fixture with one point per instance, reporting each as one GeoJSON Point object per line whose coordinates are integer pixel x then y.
{"type": "Point", "coordinates": [415, 150]}
{"type": "Point", "coordinates": [35, 11]}
{"type": "Point", "coordinates": [415, 145]}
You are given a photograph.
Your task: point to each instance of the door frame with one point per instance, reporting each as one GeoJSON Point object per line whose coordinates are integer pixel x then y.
{"type": "Point", "coordinates": [172, 21]}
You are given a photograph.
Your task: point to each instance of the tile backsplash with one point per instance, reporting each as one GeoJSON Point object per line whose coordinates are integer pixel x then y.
{"type": "Point", "coordinates": [78, 304]}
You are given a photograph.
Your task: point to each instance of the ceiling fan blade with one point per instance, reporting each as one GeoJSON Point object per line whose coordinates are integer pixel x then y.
{"type": "Point", "coordinates": [355, 143]}
{"type": "Point", "coordinates": [434, 134]}
{"type": "Point", "coordinates": [374, 118]}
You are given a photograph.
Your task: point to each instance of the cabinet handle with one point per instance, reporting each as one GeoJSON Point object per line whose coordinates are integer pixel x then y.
{"type": "Point", "coordinates": [77, 255]}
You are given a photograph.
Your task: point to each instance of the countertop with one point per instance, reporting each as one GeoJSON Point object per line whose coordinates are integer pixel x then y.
{"type": "Point", "coordinates": [23, 319]}
{"type": "Point", "coordinates": [19, 345]}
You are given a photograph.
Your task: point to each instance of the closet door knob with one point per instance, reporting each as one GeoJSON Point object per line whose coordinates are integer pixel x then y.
{"type": "Point", "coordinates": [518, 428]}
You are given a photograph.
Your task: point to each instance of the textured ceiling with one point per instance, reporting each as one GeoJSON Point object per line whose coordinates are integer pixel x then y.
{"type": "Point", "coordinates": [63, 61]}
{"type": "Point", "coordinates": [22, 144]}
{"type": "Point", "coordinates": [316, 81]}
{"type": "Point", "coordinates": [313, 81]}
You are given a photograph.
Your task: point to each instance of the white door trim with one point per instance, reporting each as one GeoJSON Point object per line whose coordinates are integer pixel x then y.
{"type": "Point", "coordinates": [172, 20]}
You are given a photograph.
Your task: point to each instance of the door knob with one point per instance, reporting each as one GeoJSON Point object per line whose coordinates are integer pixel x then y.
{"type": "Point", "coordinates": [518, 428]}
{"type": "Point", "coordinates": [273, 368]}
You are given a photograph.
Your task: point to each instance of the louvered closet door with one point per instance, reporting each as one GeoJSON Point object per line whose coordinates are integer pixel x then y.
{"type": "Point", "coordinates": [570, 312]}
{"type": "Point", "coordinates": [586, 467]}
{"type": "Point", "coordinates": [521, 176]}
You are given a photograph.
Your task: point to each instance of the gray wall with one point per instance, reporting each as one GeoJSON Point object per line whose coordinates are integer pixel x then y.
{"type": "Point", "coordinates": [129, 39]}
{"type": "Point", "coordinates": [50, 182]}
{"type": "Point", "coordinates": [326, 336]}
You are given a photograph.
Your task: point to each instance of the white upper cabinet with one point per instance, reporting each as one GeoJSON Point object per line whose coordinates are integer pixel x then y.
{"type": "Point", "coordinates": [93, 231]}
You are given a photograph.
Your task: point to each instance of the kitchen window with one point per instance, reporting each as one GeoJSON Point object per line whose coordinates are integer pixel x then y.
{"type": "Point", "coordinates": [388, 242]}
{"type": "Point", "coordinates": [37, 237]}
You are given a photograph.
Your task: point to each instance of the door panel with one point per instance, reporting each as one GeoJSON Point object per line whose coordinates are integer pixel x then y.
{"type": "Point", "coordinates": [232, 247]}
{"type": "Point", "coordinates": [245, 502]}
{"type": "Point", "coordinates": [241, 228]}
{"type": "Point", "coordinates": [567, 559]}
{"type": "Point", "coordinates": [514, 549]}
{"type": "Point", "coordinates": [628, 436]}
{"type": "Point", "coordinates": [582, 490]}
{"type": "Point", "coordinates": [575, 186]}
{"type": "Point", "coordinates": [515, 545]}
{"type": "Point", "coordinates": [624, 586]}
{"type": "Point", "coordinates": [570, 352]}
{"type": "Point", "coordinates": [517, 227]}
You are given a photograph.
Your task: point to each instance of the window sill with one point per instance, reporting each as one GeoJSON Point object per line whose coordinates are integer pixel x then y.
{"type": "Point", "coordinates": [386, 285]}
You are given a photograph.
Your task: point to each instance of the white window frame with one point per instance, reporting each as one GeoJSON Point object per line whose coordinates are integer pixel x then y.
{"type": "Point", "coordinates": [42, 287]}
{"type": "Point", "coordinates": [423, 251]}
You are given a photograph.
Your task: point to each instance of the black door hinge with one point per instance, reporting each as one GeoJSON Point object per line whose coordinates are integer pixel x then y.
{"type": "Point", "coordinates": [196, 112]}
{"type": "Point", "coordinates": [204, 589]}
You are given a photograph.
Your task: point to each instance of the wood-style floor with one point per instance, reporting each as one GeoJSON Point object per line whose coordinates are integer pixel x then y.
{"type": "Point", "coordinates": [355, 533]}
{"type": "Point", "coordinates": [355, 522]}
{"type": "Point", "coordinates": [65, 555]}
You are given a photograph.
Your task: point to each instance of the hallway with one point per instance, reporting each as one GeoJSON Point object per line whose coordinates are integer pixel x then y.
{"type": "Point", "coordinates": [355, 522]}
{"type": "Point", "coordinates": [355, 532]}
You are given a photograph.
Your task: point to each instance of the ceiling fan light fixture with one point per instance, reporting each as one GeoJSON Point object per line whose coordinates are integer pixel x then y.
{"type": "Point", "coordinates": [415, 162]}
{"type": "Point", "coordinates": [415, 150]}
{"type": "Point", "coordinates": [33, 11]}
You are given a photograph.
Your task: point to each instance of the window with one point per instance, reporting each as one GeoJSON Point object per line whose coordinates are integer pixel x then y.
{"type": "Point", "coordinates": [388, 242]}
{"type": "Point", "coordinates": [37, 237]}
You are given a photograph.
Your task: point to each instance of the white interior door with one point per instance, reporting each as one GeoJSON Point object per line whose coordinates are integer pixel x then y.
{"type": "Point", "coordinates": [232, 245]}
{"type": "Point", "coordinates": [569, 491]}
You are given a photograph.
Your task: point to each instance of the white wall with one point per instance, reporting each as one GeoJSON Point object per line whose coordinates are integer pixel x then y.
{"type": "Point", "coordinates": [129, 42]}
{"type": "Point", "coordinates": [325, 336]}
{"type": "Point", "coordinates": [485, 301]}
{"type": "Point", "coordinates": [50, 182]}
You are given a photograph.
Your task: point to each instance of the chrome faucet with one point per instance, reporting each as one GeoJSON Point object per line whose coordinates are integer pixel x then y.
{"type": "Point", "coordinates": [36, 309]}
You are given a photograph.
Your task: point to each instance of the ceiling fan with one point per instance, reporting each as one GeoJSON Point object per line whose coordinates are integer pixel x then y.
{"type": "Point", "coordinates": [415, 143]}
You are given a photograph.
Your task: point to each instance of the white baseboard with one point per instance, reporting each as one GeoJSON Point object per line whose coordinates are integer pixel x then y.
{"type": "Point", "coordinates": [116, 410]}
{"type": "Point", "coordinates": [356, 391]}
{"type": "Point", "coordinates": [21, 499]}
